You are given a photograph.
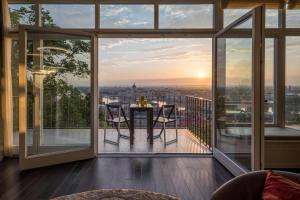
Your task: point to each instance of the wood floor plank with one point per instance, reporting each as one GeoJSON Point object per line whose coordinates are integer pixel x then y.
{"type": "Point", "coordinates": [187, 178]}
{"type": "Point", "coordinates": [187, 142]}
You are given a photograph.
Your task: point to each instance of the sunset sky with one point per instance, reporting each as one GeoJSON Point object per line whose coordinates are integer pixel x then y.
{"type": "Point", "coordinates": [125, 61]}
{"type": "Point", "coordinates": [185, 61]}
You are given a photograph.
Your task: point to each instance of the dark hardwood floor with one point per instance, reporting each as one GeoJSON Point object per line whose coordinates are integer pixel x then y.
{"type": "Point", "coordinates": [187, 178]}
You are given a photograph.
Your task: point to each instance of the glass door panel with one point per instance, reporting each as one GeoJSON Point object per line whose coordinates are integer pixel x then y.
{"type": "Point", "coordinates": [238, 93]}
{"type": "Point", "coordinates": [234, 99]}
{"type": "Point", "coordinates": [58, 101]}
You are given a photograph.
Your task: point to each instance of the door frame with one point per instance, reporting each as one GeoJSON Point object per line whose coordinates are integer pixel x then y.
{"type": "Point", "coordinates": [28, 162]}
{"type": "Point", "coordinates": [257, 115]}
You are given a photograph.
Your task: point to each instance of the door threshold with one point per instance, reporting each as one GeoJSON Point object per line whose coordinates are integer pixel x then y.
{"type": "Point", "coordinates": [155, 155]}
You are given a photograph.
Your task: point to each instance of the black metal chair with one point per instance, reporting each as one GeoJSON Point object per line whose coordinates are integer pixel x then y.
{"type": "Point", "coordinates": [115, 117]}
{"type": "Point", "coordinates": [166, 115]}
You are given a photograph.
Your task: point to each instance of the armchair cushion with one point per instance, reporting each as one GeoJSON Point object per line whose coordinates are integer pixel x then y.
{"type": "Point", "coordinates": [249, 186]}
{"type": "Point", "coordinates": [279, 187]}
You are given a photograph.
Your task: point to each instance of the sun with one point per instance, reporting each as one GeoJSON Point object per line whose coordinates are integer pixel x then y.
{"type": "Point", "coordinates": [200, 75]}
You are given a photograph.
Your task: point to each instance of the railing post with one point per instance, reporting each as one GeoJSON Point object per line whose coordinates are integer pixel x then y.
{"type": "Point", "coordinates": [209, 124]}
{"type": "Point", "coordinates": [206, 134]}
{"type": "Point", "coordinates": [198, 125]}
{"type": "Point", "coordinates": [185, 112]}
{"type": "Point", "coordinates": [201, 120]}
{"type": "Point", "coordinates": [193, 114]}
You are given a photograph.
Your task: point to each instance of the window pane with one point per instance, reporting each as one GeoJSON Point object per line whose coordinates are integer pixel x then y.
{"type": "Point", "coordinates": [230, 15]}
{"type": "Point", "coordinates": [15, 89]}
{"type": "Point", "coordinates": [245, 24]}
{"type": "Point", "coordinates": [21, 14]}
{"type": "Point", "coordinates": [58, 91]}
{"type": "Point", "coordinates": [234, 99]}
{"type": "Point", "coordinates": [186, 16]}
{"type": "Point", "coordinates": [269, 80]}
{"type": "Point", "coordinates": [68, 16]}
{"type": "Point", "coordinates": [292, 82]}
{"type": "Point", "coordinates": [271, 18]}
{"type": "Point", "coordinates": [292, 18]}
{"type": "Point", "coordinates": [126, 16]}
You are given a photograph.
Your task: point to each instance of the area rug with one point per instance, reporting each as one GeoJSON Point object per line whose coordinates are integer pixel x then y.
{"type": "Point", "coordinates": [120, 194]}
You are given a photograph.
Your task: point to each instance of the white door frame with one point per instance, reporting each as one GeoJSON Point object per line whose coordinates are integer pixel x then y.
{"type": "Point", "coordinates": [28, 162]}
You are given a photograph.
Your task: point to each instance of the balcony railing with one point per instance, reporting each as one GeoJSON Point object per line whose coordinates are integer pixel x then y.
{"type": "Point", "coordinates": [198, 118]}
{"type": "Point", "coordinates": [193, 113]}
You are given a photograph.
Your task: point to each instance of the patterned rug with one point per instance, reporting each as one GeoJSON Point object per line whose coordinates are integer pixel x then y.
{"type": "Point", "coordinates": [117, 195]}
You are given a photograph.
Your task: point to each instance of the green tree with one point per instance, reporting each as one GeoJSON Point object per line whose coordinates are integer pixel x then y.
{"type": "Point", "coordinates": [65, 105]}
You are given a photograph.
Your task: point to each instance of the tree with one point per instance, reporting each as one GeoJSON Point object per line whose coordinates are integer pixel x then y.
{"type": "Point", "coordinates": [65, 105]}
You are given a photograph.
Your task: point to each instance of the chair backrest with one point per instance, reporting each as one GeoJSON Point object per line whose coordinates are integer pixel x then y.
{"type": "Point", "coordinates": [115, 110]}
{"type": "Point", "coordinates": [167, 111]}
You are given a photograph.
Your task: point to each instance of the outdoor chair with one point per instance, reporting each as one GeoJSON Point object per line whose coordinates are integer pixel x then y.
{"type": "Point", "coordinates": [115, 117]}
{"type": "Point", "coordinates": [166, 115]}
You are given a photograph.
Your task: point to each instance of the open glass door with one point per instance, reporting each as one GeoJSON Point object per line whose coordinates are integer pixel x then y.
{"type": "Point", "coordinates": [58, 96]}
{"type": "Point", "coordinates": [239, 93]}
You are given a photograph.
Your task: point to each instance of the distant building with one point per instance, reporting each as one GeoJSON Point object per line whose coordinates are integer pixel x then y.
{"type": "Point", "coordinates": [134, 91]}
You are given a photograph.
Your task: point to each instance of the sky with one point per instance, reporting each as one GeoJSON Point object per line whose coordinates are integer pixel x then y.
{"type": "Point", "coordinates": [165, 61]}
{"type": "Point", "coordinates": [125, 61]}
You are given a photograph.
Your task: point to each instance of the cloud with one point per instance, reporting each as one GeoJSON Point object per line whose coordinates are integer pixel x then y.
{"type": "Point", "coordinates": [122, 22]}
{"type": "Point", "coordinates": [113, 10]}
{"type": "Point", "coordinates": [186, 16]}
{"type": "Point", "coordinates": [126, 16]}
{"type": "Point", "coordinates": [72, 16]}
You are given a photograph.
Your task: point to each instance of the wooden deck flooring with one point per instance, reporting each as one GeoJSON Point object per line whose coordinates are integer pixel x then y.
{"type": "Point", "coordinates": [187, 178]}
{"type": "Point", "coordinates": [187, 143]}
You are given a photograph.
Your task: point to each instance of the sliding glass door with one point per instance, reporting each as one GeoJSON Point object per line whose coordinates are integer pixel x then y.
{"type": "Point", "coordinates": [58, 96]}
{"type": "Point", "coordinates": [238, 93]}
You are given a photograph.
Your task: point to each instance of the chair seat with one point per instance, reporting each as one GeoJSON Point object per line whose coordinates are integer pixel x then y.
{"type": "Point", "coordinates": [161, 120]}
{"type": "Point", "coordinates": [116, 120]}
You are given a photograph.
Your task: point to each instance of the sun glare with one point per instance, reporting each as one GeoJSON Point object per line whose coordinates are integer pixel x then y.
{"type": "Point", "coordinates": [200, 75]}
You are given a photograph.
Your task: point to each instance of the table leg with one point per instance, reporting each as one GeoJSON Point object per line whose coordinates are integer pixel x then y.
{"type": "Point", "coordinates": [131, 117]}
{"type": "Point", "coordinates": [150, 125]}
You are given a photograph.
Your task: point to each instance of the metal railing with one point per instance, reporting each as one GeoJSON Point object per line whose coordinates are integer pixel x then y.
{"type": "Point", "coordinates": [193, 113]}
{"type": "Point", "coordinates": [199, 118]}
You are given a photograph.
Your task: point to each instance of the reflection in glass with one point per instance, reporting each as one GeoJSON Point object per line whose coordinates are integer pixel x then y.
{"type": "Point", "coordinates": [58, 95]}
{"type": "Point", "coordinates": [186, 16]}
{"type": "Point", "coordinates": [269, 80]}
{"type": "Point", "coordinates": [21, 14]}
{"type": "Point", "coordinates": [234, 99]}
{"type": "Point", "coordinates": [68, 15]}
{"type": "Point", "coordinates": [230, 15]}
{"type": "Point", "coordinates": [127, 16]}
{"type": "Point", "coordinates": [292, 83]}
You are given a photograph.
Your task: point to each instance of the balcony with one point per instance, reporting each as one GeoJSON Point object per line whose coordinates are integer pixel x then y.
{"type": "Point", "coordinates": [194, 126]}
{"type": "Point", "coordinates": [193, 115]}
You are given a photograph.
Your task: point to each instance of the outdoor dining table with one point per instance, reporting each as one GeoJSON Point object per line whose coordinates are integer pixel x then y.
{"type": "Point", "coordinates": [137, 108]}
